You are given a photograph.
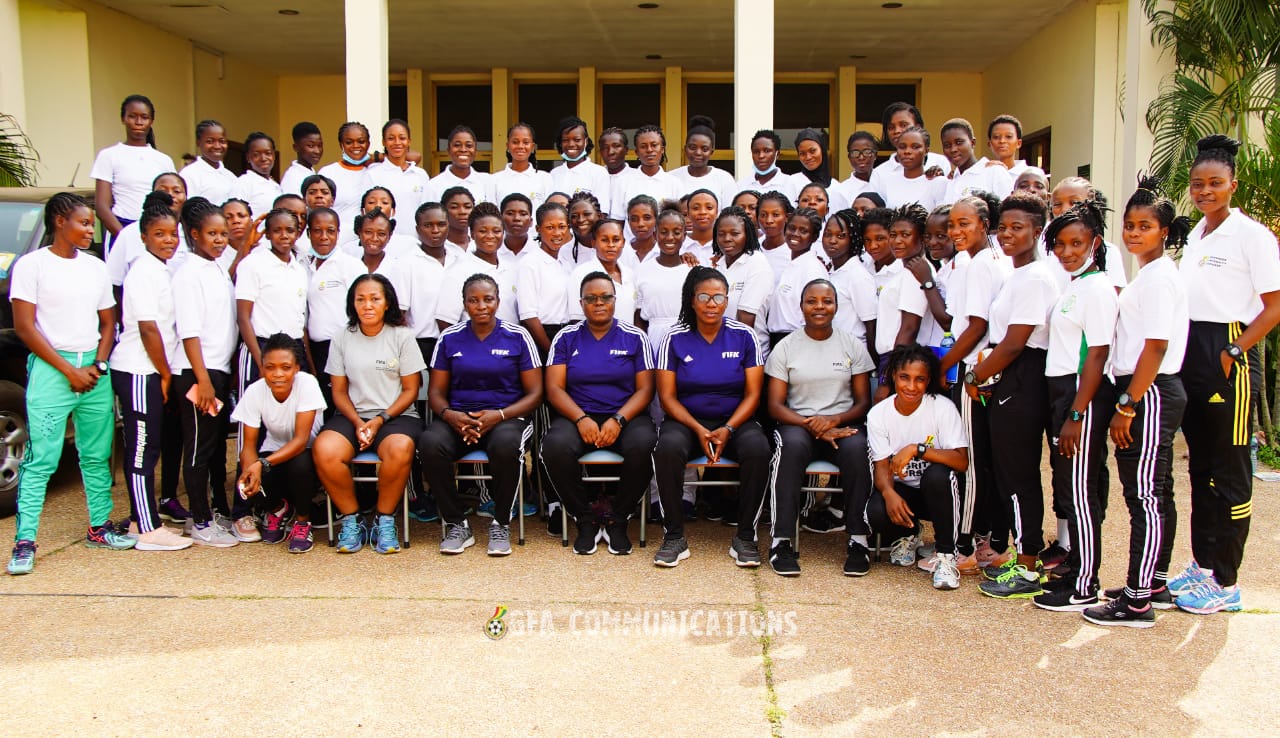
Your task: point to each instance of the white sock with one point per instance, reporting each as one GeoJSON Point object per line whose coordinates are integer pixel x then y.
{"type": "Point", "coordinates": [1064, 534]}
{"type": "Point", "coordinates": [778, 541]}
{"type": "Point", "coordinates": [859, 539]}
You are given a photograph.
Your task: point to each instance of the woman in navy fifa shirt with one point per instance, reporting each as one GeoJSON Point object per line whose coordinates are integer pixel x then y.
{"type": "Point", "coordinates": [600, 381]}
{"type": "Point", "coordinates": [710, 377]}
{"type": "Point", "coordinates": [485, 383]}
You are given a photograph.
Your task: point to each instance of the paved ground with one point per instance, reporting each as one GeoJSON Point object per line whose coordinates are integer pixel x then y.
{"type": "Point", "coordinates": [207, 642]}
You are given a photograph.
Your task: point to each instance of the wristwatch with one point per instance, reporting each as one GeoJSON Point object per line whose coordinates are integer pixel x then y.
{"type": "Point", "coordinates": [1124, 400]}
{"type": "Point", "coordinates": [1076, 416]}
{"type": "Point", "coordinates": [928, 285]}
{"type": "Point", "coordinates": [732, 430]}
{"type": "Point", "coordinates": [1235, 352]}
{"type": "Point", "coordinates": [101, 366]}
{"type": "Point", "coordinates": [266, 465]}
{"type": "Point", "coordinates": [620, 420]}
{"type": "Point", "coordinates": [920, 449]}
{"type": "Point", "coordinates": [385, 417]}
{"type": "Point", "coordinates": [970, 378]}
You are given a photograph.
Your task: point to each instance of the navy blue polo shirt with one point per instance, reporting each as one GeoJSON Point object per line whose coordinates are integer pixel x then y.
{"type": "Point", "coordinates": [600, 374]}
{"type": "Point", "coordinates": [485, 374]}
{"type": "Point", "coordinates": [710, 377]}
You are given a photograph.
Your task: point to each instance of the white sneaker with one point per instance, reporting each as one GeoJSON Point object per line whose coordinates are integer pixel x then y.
{"type": "Point", "coordinates": [946, 575]}
{"type": "Point", "coordinates": [245, 529]}
{"type": "Point", "coordinates": [903, 552]}
{"type": "Point", "coordinates": [212, 534]}
{"type": "Point", "coordinates": [928, 563]}
{"type": "Point", "coordinates": [162, 539]}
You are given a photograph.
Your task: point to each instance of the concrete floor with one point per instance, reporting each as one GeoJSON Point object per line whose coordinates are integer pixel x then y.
{"type": "Point", "coordinates": [208, 642]}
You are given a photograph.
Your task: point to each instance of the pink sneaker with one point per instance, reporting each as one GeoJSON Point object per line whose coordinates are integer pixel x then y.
{"type": "Point", "coordinates": [967, 565]}
{"type": "Point", "coordinates": [162, 539]}
{"type": "Point", "coordinates": [245, 530]}
{"type": "Point", "coordinates": [984, 553]}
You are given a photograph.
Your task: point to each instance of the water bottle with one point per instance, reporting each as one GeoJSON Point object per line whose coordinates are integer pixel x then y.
{"type": "Point", "coordinates": [948, 340]}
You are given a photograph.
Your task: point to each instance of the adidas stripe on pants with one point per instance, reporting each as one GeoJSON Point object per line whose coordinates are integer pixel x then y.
{"type": "Point", "coordinates": [142, 404]}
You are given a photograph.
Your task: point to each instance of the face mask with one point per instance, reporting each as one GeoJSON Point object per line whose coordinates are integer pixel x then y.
{"type": "Point", "coordinates": [318, 256]}
{"type": "Point", "coordinates": [355, 162]}
{"type": "Point", "coordinates": [1085, 266]}
{"type": "Point", "coordinates": [572, 159]}
{"type": "Point", "coordinates": [765, 172]}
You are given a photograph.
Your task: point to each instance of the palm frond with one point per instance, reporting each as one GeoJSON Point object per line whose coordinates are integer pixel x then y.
{"type": "Point", "coordinates": [18, 158]}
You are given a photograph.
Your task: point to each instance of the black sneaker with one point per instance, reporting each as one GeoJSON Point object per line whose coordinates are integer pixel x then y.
{"type": "Point", "coordinates": [822, 521]}
{"type": "Point", "coordinates": [1052, 555]}
{"type": "Point", "coordinates": [1064, 600]}
{"type": "Point", "coordinates": [1161, 599]}
{"type": "Point", "coordinates": [745, 553]}
{"type": "Point", "coordinates": [671, 552]}
{"type": "Point", "coordinates": [554, 524]}
{"type": "Point", "coordinates": [690, 512]}
{"type": "Point", "coordinates": [615, 536]}
{"type": "Point", "coordinates": [1117, 612]}
{"type": "Point", "coordinates": [783, 560]}
{"type": "Point", "coordinates": [585, 543]}
{"type": "Point", "coordinates": [858, 561]}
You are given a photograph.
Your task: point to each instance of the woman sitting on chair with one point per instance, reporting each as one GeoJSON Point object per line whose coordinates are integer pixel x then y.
{"type": "Point", "coordinates": [376, 370]}
{"type": "Point", "coordinates": [600, 381]}
{"type": "Point", "coordinates": [709, 382]}
{"type": "Point", "coordinates": [485, 383]}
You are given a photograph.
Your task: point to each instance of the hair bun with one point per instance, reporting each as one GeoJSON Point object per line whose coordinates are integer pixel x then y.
{"type": "Point", "coordinates": [1151, 183]}
{"type": "Point", "coordinates": [704, 121]}
{"type": "Point", "coordinates": [1218, 141]}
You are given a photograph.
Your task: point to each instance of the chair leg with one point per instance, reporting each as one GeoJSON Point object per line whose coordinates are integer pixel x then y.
{"type": "Point", "coordinates": [406, 511]}
{"type": "Point", "coordinates": [328, 504]}
{"type": "Point", "coordinates": [796, 543]}
{"type": "Point", "coordinates": [644, 517]}
{"type": "Point", "coordinates": [564, 526]}
{"type": "Point", "coordinates": [520, 506]}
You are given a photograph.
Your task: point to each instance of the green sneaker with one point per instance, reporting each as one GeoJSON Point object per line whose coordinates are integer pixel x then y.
{"type": "Point", "coordinates": [995, 571]}
{"type": "Point", "coordinates": [106, 536]}
{"type": "Point", "coordinates": [24, 557]}
{"type": "Point", "coordinates": [1017, 583]}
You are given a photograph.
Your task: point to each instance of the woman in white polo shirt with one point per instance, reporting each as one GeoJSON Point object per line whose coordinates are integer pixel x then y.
{"type": "Point", "coordinates": [208, 176]}
{"type": "Point", "coordinates": [350, 175]}
{"type": "Point", "coordinates": [542, 286]}
{"type": "Point", "coordinates": [123, 173]}
{"type": "Point", "coordinates": [698, 174]}
{"type": "Point", "coordinates": [766, 176]}
{"type": "Point", "coordinates": [578, 173]}
{"type": "Point", "coordinates": [1232, 270]}
{"type": "Point", "coordinates": [750, 278]}
{"type": "Point", "coordinates": [461, 172]}
{"type": "Point", "coordinates": [406, 181]}
{"type": "Point", "coordinates": [486, 232]}
{"type": "Point", "coordinates": [332, 272]}
{"type": "Point", "coordinates": [256, 185]}
{"type": "Point", "coordinates": [521, 173]}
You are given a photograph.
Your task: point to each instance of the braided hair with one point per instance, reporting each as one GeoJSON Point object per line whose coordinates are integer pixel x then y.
{"type": "Point", "coordinates": [696, 276]}
{"type": "Point", "coordinates": [1089, 213]}
{"type": "Point", "coordinates": [913, 213]}
{"type": "Point", "coordinates": [848, 220]}
{"type": "Point", "coordinates": [1150, 194]}
{"type": "Point", "coordinates": [195, 211]}
{"type": "Point", "coordinates": [748, 228]}
{"type": "Point", "coordinates": [1217, 147]}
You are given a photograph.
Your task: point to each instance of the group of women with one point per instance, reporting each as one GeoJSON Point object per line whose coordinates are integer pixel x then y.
{"type": "Point", "coordinates": [958, 312]}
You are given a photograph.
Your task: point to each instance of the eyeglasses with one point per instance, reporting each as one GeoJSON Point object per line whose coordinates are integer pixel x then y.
{"type": "Point", "coordinates": [598, 299]}
{"type": "Point", "coordinates": [703, 298]}
{"type": "Point", "coordinates": [862, 153]}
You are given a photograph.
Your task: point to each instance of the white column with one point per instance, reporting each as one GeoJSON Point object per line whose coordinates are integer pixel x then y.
{"type": "Point", "coordinates": [752, 76]}
{"type": "Point", "coordinates": [12, 90]}
{"type": "Point", "coordinates": [367, 74]}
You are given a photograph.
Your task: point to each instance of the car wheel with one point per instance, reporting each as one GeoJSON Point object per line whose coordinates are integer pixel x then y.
{"type": "Point", "coordinates": [13, 443]}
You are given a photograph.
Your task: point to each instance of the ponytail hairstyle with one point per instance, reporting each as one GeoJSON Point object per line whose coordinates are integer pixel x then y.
{"type": "Point", "coordinates": [849, 221]}
{"type": "Point", "coordinates": [533, 153]}
{"type": "Point", "coordinates": [195, 211]}
{"type": "Point", "coordinates": [151, 131]}
{"type": "Point", "coordinates": [396, 122]}
{"type": "Point", "coordinates": [1217, 147]}
{"type": "Point", "coordinates": [372, 215]}
{"type": "Point", "coordinates": [701, 125]}
{"type": "Point", "coordinates": [483, 210]}
{"type": "Point", "coordinates": [157, 198]}
{"type": "Point", "coordinates": [696, 276]}
{"type": "Point", "coordinates": [669, 210]}
{"type": "Point", "coordinates": [821, 175]}
{"type": "Point", "coordinates": [651, 128]}
{"type": "Point", "coordinates": [986, 205]}
{"type": "Point", "coordinates": [376, 188]}
{"type": "Point", "coordinates": [1150, 194]}
{"type": "Point", "coordinates": [911, 353]}
{"type": "Point", "coordinates": [570, 123]}
{"type": "Point", "coordinates": [1092, 215]}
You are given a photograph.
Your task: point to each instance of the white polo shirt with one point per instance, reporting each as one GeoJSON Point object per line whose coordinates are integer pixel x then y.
{"type": "Point", "coordinates": [624, 305]}
{"type": "Point", "coordinates": [889, 307]}
{"type": "Point", "coordinates": [327, 294]}
{"type": "Point", "coordinates": [258, 408]}
{"type": "Point", "coordinates": [979, 177]}
{"type": "Point", "coordinates": [351, 185]}
{"type": "Point", "coordinates": [424, 278]}
{"type": "Point", "coordinates": [67, 293]}
{"type": "Point", "coordinates": [587, 176]}
{"type": "Point", "coordinates": [477, 183]}
{"type": "Point", "coordinates": [213, 184]}
{"type": "Point", "coordinates": [542, 289]}
{"type": "Point", "coordinates": [717, 180]}
{"type": "Point", "coordinates": [1153, 306]}
{"type": "Point", "coordinates": [784, 304]}
{"type": "Point", "coordinates": [130, 170]}
{"type": "Point", "coordinates": [204, 305]}
{"type": "Point", "coordinates": [259, 191]}
{"type": "Point", "coordinates": [843, 194]}
{"type": "Point", "coordinates": [449, 306]}
{"type": "Point", "coordinates": [574, 254]}
{"type": "Point", "coordinates": [1084, 317]}
{"type": "Point", "coordinates": [781, 181]}
{"type": "Point", "coordinates": [128, 247]}
{"type": "Point", "coordinates": [661, 186]}
{"type": "Point", "coordinates": [913, 300]}
{"type": "Point", "coordinates": [897, 190]}
{"type": "Point", "coordinates": [291, 181]}
{"type": "Point", "coordinates": [972, 290]}
{"type": "Point", "coordinates": [1026, 298]}
{"type": "Point", "coordinates": [148, 296]}
{"type": "Point", "coordinates": [658, 293]}
{"type": "Point", "coordinates": [278, 291]}
{"type": "Point", "coordinates": [750, 283]}
{"type": "Point", "coordinates": [408, 186]}
{"type": "Point", "coordinates": [931, 159]}
{"type": "Point", "coordinates": [856, 293]}
{"type": "Point", "coordinates": [617, 192]}
{"type": "Point", "coordinates": [703, 252]}
{"type": "Point", "coordinates": [533, 183]}
{"type": "Point", "coordinates": [1227, 271]}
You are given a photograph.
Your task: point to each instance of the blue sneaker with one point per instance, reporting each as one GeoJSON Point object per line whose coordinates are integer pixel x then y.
{"type": "Point", "coordinates": [1188, 580]}
{"type": "Point", "coordinates": [424, 510]}
{"type": "Point", "coordinates": [351, 535]}
{"type": "Point", "coordinates": [106, 536]}
{"type": "Point", "coordinates": [485, 510]}
{"type": "Point", "coordinates": [24, 558]}
{"type": "Point", "coordinates": [383, 536]}
{"type": "Point", "coordinates": [1210, 597]}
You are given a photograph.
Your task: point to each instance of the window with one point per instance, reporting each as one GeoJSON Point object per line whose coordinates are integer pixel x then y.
{"type": "Point", "coordinates": [872, 98]}
{"type": "Point", "coordinates": [629, 106]}
{"type": "Point", "coordinates": [543, 105]}
{"type": "Point", "coordinates": [397, 103]}
{"type": "Point", "coordinates": [797, 106]}
{"type": "Point", "coordinates": [714, 100]}
{"type": "Point", "coordinates": [469, 105]}
{"type": "Point", "coordinates": [1035, 148]}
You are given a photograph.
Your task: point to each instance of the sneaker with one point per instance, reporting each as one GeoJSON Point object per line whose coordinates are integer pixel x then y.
{"type": "Point", "coordinates": [929, 564]}
{"type": "Point", "coordinates": [485, 510]}
{"type": "Point", "coordinates": [555, 526]}
{"type": "Point", "coordinates": [615, 536]}
{"type": "Point", "coordinates": [926, 550]}
{"type": "Point", "coordinates": [424, 510]}
{"type": "Point", "coordinates": [745, 553]}
{"type": "Point", "coordinates": [23, 559]}
{"type": "Point", "coordinates": [1118, 612]}
{"type": "Point", "coordinates": [162, 539]}
{"type": "Point", "coordinates": [783, 560]}
{"type": "Point", "coordinates": [857, 562]}
{"type": "Point", "coordinates": [1052, 555]}
{"type": "Point", "coordinates": [1161, 599]}
{"type": "Point", "coordinates": [985, 554]}
{"type": "Point", "coordinates": [351, 533]}
{"type": "Point", "coordinates": [224, 521]}
{"type": "Point", "coordinates": [1064, 600]}
{"type": "Point", "coordinates": [1017, 582]}
{"type": "Point", "coordinates": [671, 552]}
{"type": "Point", "coordinates": [383, 536]}
{"type": "Point", "coordinates": [245, 530]}
{"type": "Point", "coordinates": [585, 543]}
{"type": "Point", "coordinates": [212, 534]}
{"type": "Point", "coordinates": [1188, 579]}
{"type": "Point", "coordinates": [105, 536]}
{"type": "Point", "coordinates": [173, 511]}
{"type": "Point", "coordinates": [300, 540]}
{"type": "Point", "coordinates": [967, 565]}
{"type": "Point", "coordinates": [945, 573]}
{"type": "Point", "coordinates": [274, 526]}
{"type": "Point", "coordinates": [499, 539]}
{"type": "Point", "coordinates": [903, 552]}
{"type": "Point", "coordinates": [690, 513]}
{"type": "Point", "coordinates": [457, 538]}
{"type": "Point", "coordinates": [1000, 565]}
{"type": "Point", "coordinates": [822, 521]}
{"type": "Point", "coordinates": [1209, 598]}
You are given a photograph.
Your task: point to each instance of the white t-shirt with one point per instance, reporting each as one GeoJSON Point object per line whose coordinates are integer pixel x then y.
{"type": "Point", "coordinates": [784, 304]}
{"type": "Point", "coordinates": [327, 290]}
{"type": "Point", "coordinates": [1153, 306]}
{"type": "Point", "coordinates": [204, 305]}
{"type": "Point", "coordinates": [617, 191]}
{"type": "Point", "coordinates": [449, 306]}
{"type": "Point", "coordinates": [587, 176]}
{"type": "Point", "coordinates": [1115, 266]}
{"type": "Point", "coordinates": [661, 186]}
{"type": "Point", "coordinates": [780, 182]}
{"type": "Point", "coordinates": [424, 277]}
{"type": "Point", "coordinates": [574, 254]}
{"type": "Point", "coordinates": [1025, 299]}
{"type": "Point", "coordinates": [913, 300]}
{"type": "Point", "coordinates": [659, 289]}
{"type": "Point", "coordinates": [856, 292]}
{"type": "Point", "coordinates": [533, 183]}
{"type": "Point", "coordinates": [278, 291]}
{"type": "Point", "coordinates": [291, 182]}
{"type": "Point", "coordinates": [351, 184]}
{"type": "Point", "coordinates": [408, 186]}
{"type": "Point", "coordinates": [130, 170]}
{"type": "Point", "coordinates": [931, 160]}
{"type": "Point", "coordinates": [817, 373]}
{"type": "Point", "coordinates": [128, 247]}
{"type": "Point", "coordinates": [717, 180]}
{"type": "Point", "coordinates": [897, 190]}
{"type": "Point", "coordinates": [258, 408]}
{"type": "Point", "coordinates": [889, 431]}
{"type": "Point", "coordinates": [889, 307]}
{"type": "Point", "coordinates": [1083, 318]}
{"type": "Point", "coordinates": [624, 304]}
{"type": "Point", "coordinates": [950, 270]}
{"type": "Point", "coordinates": [779, 257]}
{"type": "Point", "coordinates": [67, 293]}
{"type": "Point", "coordinates": [260, 192]}
{"type": "Point", "coordinates": [979, 178]}
{"type": "Point", "coordinates": [972, 291]}
{"type": "Point", "coordinates": [203, 180]}
{"type": "Point", "coordinates": [703, 252]}
{"type": "Point", "coordinates": [478, 183]}
{"type": "Point", "coordinates": [1227, 271]}
{"type": "Point", "coordinates": [542, 289]}
{"type": "Point", "coordinates": [148, 296]}
{"type": "Point", "coordinates": [843, 194]}
{"type": "Point", "coordinates": [750, 283]}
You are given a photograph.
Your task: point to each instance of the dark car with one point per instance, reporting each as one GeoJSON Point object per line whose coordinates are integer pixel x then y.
{"type": "Point", "coordinates": [21, 232]}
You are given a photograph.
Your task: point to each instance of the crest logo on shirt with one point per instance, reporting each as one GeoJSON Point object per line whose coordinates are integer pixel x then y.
{"type": "Point", "coordinates": [1068, 304]}
{"type": "Point", "coordinates": [387, 365]}
{"type": "Point", "coordinates": [1213, 261]}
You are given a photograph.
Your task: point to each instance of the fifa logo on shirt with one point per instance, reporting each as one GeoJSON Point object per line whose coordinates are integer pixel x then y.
{"type": "Point", "coordinates": [618, 352]}
{"type": "Point", "coordinates": [500, 352]}
{"type": "Point", "coordinates": [387, 365]}
{"type": "Point", "coordinates": [730, 354]}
